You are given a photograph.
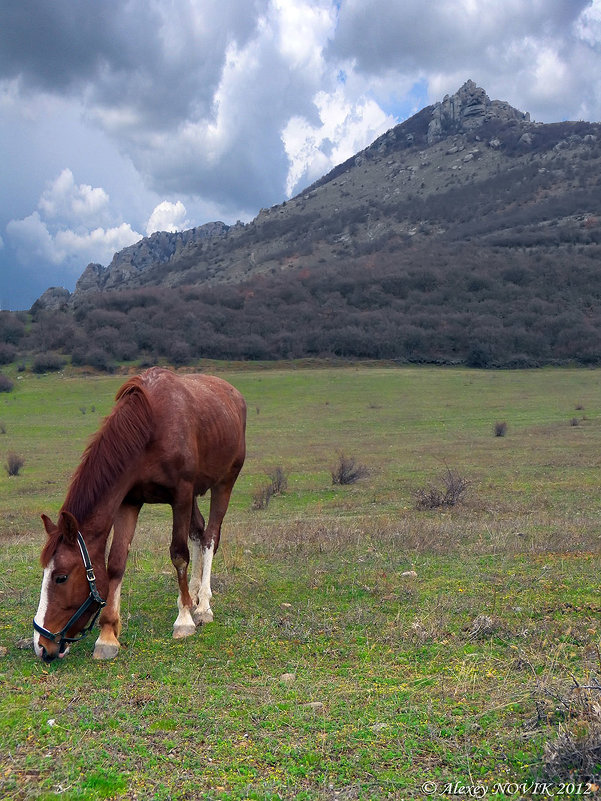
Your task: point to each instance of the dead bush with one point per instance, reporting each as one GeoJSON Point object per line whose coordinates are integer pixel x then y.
{"type": "Point", "coordinates": [279, 480]}
{"type": "Point", "coordinates": [14, 464]}
{"type": "Point", "coordinates": [574, 754]}
{"type": "Point", "coordinates": [500, 429]}
{"type": "Point", "coordinates": [262, 496]}
{"type": "Point", "coordinates": [450, 492]}
{"type": "Point", "coordinates": [347, 471]}
{"type": "Point", "coordinates": [278, 483]}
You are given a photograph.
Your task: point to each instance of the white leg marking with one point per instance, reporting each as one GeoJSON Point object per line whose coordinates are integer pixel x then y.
{"type": "Point", "coordinates": [203, 612]}
{"type": "Point", "coordinates": [116, 609]}
{"type": "Point", "coordinates": [195, 570]}
{"type": "Point", "coordinates": [184, 626]}
{"type": "Point", "coordinates": [42, 607]}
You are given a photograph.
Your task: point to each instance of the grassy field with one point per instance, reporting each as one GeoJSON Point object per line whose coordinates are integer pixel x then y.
{"type": "Point", "coordinates": [328, 674]}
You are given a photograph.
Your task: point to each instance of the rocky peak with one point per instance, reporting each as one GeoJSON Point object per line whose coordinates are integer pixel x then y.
{"type": "Point", "coordinates": [467, 109]}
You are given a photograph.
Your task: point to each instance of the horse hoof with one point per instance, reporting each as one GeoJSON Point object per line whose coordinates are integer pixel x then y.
{"type": "Point", "coordinates": [202, 617]}
{"type": "Point", "coordinates": [104, 650]}
{"type": "Point", "coordinates": [185, 630]}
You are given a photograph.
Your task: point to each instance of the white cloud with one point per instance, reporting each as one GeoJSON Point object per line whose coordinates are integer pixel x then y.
{"type": "Point", "coordinates": [167, 216]}
{"type": "Point", "coordinates": [344, 128]}
{"type": "Point", "coordinates": [65, 230]}
{"type": "Point", "coordinates": [73, 203]}
{"type": "Point", "coordinates": [98, 245]}
{"type": "Point", "coordinates": [32, 239]}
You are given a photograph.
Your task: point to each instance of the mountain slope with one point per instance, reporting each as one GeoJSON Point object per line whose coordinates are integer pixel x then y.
{"type": "Point", "coordinates": [456, 170]}
{"type": "Point", "coordinates": [467, 234]}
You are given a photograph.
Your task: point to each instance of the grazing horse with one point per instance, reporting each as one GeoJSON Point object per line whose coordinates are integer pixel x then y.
{"type": "Point", "coordinates": [168, 439]}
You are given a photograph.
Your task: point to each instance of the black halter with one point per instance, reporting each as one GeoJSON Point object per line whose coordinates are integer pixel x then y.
{"type": "Point", "coordinates": [93, 598]}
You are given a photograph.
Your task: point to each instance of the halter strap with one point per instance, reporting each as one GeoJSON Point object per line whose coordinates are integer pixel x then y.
{"type": "Point", "coordinates": [93, 598]}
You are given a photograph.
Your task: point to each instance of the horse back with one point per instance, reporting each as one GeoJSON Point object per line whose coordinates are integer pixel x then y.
{"type": "Point", "coordinates": [199, 426]}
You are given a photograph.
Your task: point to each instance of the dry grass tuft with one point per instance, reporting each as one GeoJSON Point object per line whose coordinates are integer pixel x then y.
{"type": "Point", "coordinates": [483, 626]}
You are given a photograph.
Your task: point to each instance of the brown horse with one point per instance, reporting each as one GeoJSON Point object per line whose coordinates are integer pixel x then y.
{"type": "Point", "coordinates": [168, 440]}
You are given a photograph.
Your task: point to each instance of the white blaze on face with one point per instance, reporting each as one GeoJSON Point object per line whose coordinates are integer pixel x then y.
{"type": "Point", "coordinates": [40, 615]}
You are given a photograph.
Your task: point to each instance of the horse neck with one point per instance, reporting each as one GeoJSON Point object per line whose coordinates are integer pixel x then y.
{"type": "Point", "coordinates": [112, 457]}
{"type": "Point", "coordinates": [95, 525]}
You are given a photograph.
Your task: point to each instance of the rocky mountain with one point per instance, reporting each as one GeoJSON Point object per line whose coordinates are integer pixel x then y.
{"type": "Point", "coordinates": [466, 234]}
{"type": "Point", "coordinates": [467, 144]}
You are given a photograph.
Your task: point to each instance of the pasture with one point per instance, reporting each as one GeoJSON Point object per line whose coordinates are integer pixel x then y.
{"type": "Point", "coordinates": [327, 674]}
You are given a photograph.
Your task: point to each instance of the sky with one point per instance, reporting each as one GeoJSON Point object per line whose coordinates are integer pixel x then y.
{"type": "Point", "coordinates": [124, 117]}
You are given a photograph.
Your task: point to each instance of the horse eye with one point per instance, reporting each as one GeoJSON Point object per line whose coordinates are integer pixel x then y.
{"type": "Point", "coordinates": [60, 579]}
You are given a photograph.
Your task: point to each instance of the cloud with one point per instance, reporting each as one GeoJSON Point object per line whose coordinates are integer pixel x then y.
{"type": "Point", "coordinates": [72, 203]}
{"type": "Point", "coordinates": [167, 216]}
{"type": "Point", "coordinates": [65, 229]}
{"type": "Point", "coordinates": [539, 55]}
{"type": "Point", "coordinates": [197, 94]}
{"type": "Point", "coordinates": [32, 239]}
{"type": "Point", "coordinates": [342, 130]}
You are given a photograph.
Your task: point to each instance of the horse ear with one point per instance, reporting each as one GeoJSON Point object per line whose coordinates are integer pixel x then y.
{"type": "Point", "coordinates": [68, 527]}
{"type": "Point", "coordinates": [48, 524]}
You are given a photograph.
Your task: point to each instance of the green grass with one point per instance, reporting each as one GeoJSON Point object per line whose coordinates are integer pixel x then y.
{"type": "Point", "coordinates": [327, 674]}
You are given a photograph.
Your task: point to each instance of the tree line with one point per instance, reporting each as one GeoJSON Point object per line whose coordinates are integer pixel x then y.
{"type": "Point", "coordinates": [451, 304]}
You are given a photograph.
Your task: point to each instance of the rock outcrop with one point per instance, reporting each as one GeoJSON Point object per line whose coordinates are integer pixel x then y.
{"type": "Point", "coordinates": [54, 298]}
{"type": "Point", "coordinates": [159, 248]}
{"type": "Point", "coordinates": [467, 109]}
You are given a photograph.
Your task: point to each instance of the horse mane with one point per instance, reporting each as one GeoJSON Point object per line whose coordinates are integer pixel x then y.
{"type": "Point", "coordinates": [123, 436]}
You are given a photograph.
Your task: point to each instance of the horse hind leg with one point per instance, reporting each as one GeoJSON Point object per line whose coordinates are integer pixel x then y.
{"type": "Point", "coordinates": [184, 625]}
{"type": "Point", "coordinates": [202, 612]}
{"type": "Point", "coordinates": [220, 496]}
{"type": "Point", "coordinates": [196, 537]}
{"type": "Point", "coordinates": [201, 554]}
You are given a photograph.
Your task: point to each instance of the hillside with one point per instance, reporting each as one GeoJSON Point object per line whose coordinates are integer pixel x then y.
{"type": "Point", "coordinates": [468, 233]}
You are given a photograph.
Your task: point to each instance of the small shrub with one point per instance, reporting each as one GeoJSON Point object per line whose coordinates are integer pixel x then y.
{"type": "Point", "coordinates": [449, 494]}
{"type": "Point", "coordinates": [279, 480]}
{"type": "Point", "coordinates": [575, 421]}
{"type": "Point", "coordinates": [14, 464]}
{"type": "Point", "coordinates": [96, 358]}
{"type": "Point", "coordinates": [347, 471]}
{"type": "Point", "coordinates": [7, 353]}
{"type": "Point", "coordinates": [262, 496]}
{"type": "Point", "coordinates": [6, 385]}
{"type": "Point", "coordinates": [500, 429]}
{"type": "Point", "coordinates": [575, 754]}
{"type": "Point", "coordinates": [2, 427]}
{"type": "Point", "coordinates": [47, 363]}
{"type": "Point", "coordinates": [278, 483]}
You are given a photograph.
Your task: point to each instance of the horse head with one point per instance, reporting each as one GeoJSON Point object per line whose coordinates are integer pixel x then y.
{"type": "Point", "coordinates": [69, 598]}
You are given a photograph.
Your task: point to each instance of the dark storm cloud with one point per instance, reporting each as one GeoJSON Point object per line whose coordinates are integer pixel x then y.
{"type": "Point", "coordinates": [449, 34]}
{"type": "Point", "coordinates": [162, 62]}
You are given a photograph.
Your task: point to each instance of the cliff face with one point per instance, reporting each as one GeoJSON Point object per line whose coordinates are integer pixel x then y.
{"type": "Point", "coordinates": [159, 248]}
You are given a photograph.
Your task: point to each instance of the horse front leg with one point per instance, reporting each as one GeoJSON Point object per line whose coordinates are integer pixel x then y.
{"type": "Point", "coordinates": [184, 625]}
{"type": "Point", "coordinates": [107, 645]}
{"type": "Point", "coordinates": [205, 548]}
